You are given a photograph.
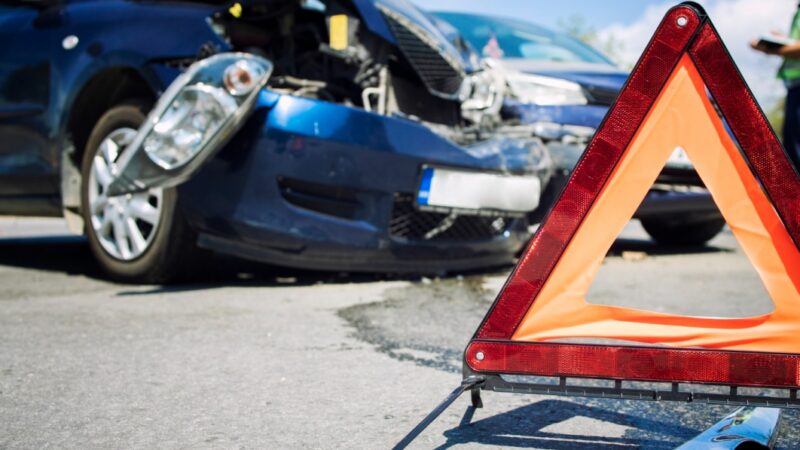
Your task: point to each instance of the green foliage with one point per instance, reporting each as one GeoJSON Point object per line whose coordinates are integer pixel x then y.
{"type": "Point", "coordinates": [577, 27]}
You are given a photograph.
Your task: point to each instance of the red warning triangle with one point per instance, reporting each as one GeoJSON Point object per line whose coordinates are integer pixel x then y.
{"type": "Point", "coordinates": [665, 104]}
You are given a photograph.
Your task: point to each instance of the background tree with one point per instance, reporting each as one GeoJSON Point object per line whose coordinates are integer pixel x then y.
{"type": "Point", "coordinates": [578, 27]}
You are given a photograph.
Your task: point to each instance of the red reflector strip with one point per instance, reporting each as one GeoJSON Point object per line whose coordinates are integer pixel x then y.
{"type": "Point", "coordinates": [759, 144]}
{"type": "Point", "coordinates": [636, 363]}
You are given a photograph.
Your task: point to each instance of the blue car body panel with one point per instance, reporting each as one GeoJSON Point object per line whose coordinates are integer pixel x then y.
{"type": "Point", "coordinates": [373, 19]}
{"type": "Point", "coordinates": [40, 79]}
{"type": "Point", "coordinates": [581, 115]}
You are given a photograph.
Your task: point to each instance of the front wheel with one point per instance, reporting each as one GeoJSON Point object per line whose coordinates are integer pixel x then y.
{"type": "Point", "coordinates": [138, 237]}
{"type": "Point", "coordinates": [690, 233]}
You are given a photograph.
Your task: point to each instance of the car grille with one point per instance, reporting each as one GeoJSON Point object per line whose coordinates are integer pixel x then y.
{"type": "Point", "coordinates": [412, 224]}
{"type": "Point", "coordinates": [601, 96]}
{"type": "Point", "coordinates": [440, 75]}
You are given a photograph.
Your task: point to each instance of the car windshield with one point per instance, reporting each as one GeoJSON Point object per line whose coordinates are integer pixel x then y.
{"type": "Point", "coordinates": [496, 37]}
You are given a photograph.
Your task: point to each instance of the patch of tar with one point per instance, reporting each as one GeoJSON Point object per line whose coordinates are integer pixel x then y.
{"type": "Point", "coordinates": [415, 323]}
{"type": "Point", "coordinates": [430, 322]}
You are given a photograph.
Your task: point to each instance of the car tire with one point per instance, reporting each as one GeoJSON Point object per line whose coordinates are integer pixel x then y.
{"type": "Point", "coordinates": [695, 233]}
{"type": "Point", "coordinates": [140, 237]}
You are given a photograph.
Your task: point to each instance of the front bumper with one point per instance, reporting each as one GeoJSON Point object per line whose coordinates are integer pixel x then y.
{"type": "Point", "coordinates": [318, 185]}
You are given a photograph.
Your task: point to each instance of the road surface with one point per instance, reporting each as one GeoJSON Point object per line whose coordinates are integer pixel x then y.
{"type": "Point", "coordinates": [257, 357]}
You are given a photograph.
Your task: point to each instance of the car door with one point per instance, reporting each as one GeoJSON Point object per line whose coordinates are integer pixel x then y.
{"type": "Point", "coordinates": [28, 146]}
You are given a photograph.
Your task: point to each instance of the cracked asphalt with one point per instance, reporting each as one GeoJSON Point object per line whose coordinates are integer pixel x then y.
{"type": "Point", "coordinates": [248, 356]}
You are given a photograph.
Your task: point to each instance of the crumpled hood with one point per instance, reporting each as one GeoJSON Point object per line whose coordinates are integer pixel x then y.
{"type": "Point", "coordinates": [370, 11]}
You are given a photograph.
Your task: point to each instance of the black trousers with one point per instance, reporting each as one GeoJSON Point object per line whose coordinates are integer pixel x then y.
{"type": "Point", "coordinates": [791, 125]}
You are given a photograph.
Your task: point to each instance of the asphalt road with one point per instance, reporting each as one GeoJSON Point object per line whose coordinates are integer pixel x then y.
{"type": "Point", "coordinates": [255, 357]}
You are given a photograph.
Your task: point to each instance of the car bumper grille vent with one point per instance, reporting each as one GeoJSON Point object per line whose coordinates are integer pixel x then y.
{"type": "Point", "coordinates": [412, 224]}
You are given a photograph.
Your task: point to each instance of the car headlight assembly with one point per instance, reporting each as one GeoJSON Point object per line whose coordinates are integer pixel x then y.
{"type": "Point", "coordinates": [541, 90]}
{"type": "Point", "coordinates": [482, 95]}
{"type": "Point", "coordinates": [192, 119]}
{"type": "Point", "coordinates": [196, 115]}
{"type": "Point", "coordinates": [202, 107]}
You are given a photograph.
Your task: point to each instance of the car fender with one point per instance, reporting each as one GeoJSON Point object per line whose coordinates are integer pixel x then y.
{"type": "Point", "coordinates": [151, 34]}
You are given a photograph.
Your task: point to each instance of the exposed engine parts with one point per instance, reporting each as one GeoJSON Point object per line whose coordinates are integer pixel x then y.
{"type": "Point", "coordinates": [318, 50]}
{"type": "Point", "coordinates": [323, 51]}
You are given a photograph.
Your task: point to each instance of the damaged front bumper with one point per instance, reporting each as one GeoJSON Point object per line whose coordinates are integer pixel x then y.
{"type": "Point", "coordinates": [318, 185]}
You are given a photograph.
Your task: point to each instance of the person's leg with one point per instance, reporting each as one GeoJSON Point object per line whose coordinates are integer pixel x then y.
{"type": "Point", "coordinates": [791, 126]}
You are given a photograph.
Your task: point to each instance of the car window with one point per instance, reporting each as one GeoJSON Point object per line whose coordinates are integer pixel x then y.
{"type": "Point", "coordinates": [508, 38]}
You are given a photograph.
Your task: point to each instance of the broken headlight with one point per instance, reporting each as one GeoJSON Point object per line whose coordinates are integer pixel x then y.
{"type": "Point", "coordinates": [483, 94]}
{"type": "Point", "coordinates": [193, 119]}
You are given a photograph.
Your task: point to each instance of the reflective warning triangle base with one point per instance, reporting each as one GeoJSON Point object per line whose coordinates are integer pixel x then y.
{"type": "Point", "coordinates": [532, 338]}
{"type": "Point", "coordinates": [531, 328]}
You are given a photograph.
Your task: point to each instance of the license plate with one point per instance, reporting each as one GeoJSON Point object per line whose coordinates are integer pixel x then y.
{"type": "Point", "coordinates": [459, 189]}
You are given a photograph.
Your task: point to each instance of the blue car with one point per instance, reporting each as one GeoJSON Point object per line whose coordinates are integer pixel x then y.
{"type": "Point", "coordinates": [563, 89]}
{"type": "Point", "coordinates": [346, 135]}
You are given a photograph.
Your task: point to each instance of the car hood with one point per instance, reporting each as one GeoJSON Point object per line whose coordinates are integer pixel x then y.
{"type": "Point", "coordinates": [588, 75]}
{"type": "Point", "coordinates": [444, 36]}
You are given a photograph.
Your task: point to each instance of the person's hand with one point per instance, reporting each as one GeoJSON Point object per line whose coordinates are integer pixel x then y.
{"type": "Point", "coordinates": [763, 48]}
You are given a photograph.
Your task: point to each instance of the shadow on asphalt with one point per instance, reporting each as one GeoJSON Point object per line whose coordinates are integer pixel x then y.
{"type": "Point", "coordinates": [653, 249]}
{"type": "Point", "coordinates": [67, 254]}
{"type": "Point", "coordinates": [525, 427]}
{"type": "Point", "coordinates": [71, 255]}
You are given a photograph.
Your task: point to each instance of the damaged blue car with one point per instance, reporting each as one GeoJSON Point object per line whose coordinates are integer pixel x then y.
{"type": "Point", "coordinates": [346, 135]}
{"type": "Point", "coordinates": [563, 88]}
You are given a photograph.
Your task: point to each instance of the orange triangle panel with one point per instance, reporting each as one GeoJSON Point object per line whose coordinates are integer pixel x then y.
{"type": "Point", "coordinates": [664, 105]}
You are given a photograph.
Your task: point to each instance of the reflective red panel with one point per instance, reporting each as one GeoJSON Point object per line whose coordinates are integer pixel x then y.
{"type": "Point", "coordinates": [636, 363]}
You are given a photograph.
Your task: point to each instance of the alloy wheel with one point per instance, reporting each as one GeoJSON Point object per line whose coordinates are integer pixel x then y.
{"type": "Point", "coordinates": [125, 225]}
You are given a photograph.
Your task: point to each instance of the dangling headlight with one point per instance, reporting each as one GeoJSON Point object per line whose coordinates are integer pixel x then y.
{"type": "Point", "coordinates": [196, 116]}
{"type": "Point", "coordinates": [193, 117]}
{"type": "Point", "coordinates": [541, 90]}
